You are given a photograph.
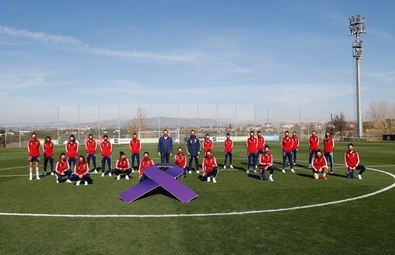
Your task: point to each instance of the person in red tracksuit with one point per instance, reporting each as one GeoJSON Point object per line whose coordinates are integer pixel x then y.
{"type": "Point", "coordinates": [319, 165]}
{"type": "Point", "coordinates": [266, 164]}
{"type": "Point", "coordinates": [33, 151]}
{"type": "Point", "coordinates": [81, 172]}
{"type": "Point", "coordinates": [295, 149]}
{"type": "Point", "coordinates": [228, 149]}
{"type": "Point", "coordinates": [48, 149]}
{"type": "Point", "coordinates": [62, 169]}
{"type": "Point", "coordinates": [135, 148]}
{"type": "Point", "coordinates": [261, 142]}
{"type": "Point", "coordinates": [210, 168]}
{"type": "Point", "coordinates": [287, 145]}
{"type": "Point", "coordinates": [72, 151]}
{"type": "Point", "coordinates": [252, 149]}
{"type": "Point", "coordinates": [180, 159]}
{"type": "Point", "coordinates": [351, 159]}
{"type": "Point", "coordinates": [145, 163]}
{"type": "Point", "coordinates": [106, 151]}
{"type": "Point", "coordinates": [207, 144]}
{"type": "Point", "coordinates": [329, 146]}
{"type": "Point", "coordinates": [122, 167]}
{"type": "Point", "coordinates": [91, 146]}
{"type": "Point", "coordinates": [314, 145]}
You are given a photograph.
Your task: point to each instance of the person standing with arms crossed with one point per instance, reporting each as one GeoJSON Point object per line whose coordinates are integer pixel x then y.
{"type": "Point", "coordinates": [165, 147]}
{"type": "Point", "coordinates": [193, 149]}
{"type": "Point", "coordinates": [135, 148]}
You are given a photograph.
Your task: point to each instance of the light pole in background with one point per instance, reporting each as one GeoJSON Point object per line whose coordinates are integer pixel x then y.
{"type": "Point", "coordinates": [19, 134]}
{"type": "Point", "coordinates": [308, 125]}
{"type": "Point", "coordinates": [357, 27]}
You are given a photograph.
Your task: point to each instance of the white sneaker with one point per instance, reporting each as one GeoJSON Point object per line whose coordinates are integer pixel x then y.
{"type": "Point", "coordinates": [30, 178]}
{"type": "Point", "coordinates": [86, 183]}
{"type": "Point", "coordinates": [255, 171]}
{"type": "Point", "coordinates": [283, 170]}
{"type": "Point", "coordinates": [52, 173]}
{"type": "Point", "coordinates": [103, 174]}
{"type": "Point", "coordinates": [77, 183]}
{"type": "Point", "coordinates": [214, 180]}
{"type": "Point", "coordinates": [208, 179]}
{"type": "Point", "coordinates": [133, 171]}
{"type": "Point", "coordinates": [231, 167]}
{"type": "Point", "coordinates": [95, 172]}
{"type": "Point", "coordinates": [118, 177]}
{"type": "Point", "coordinates": [68, 181]}
{"type": "Point", "coordinates": [271, 178]}
{"type": "Point", "coordinates": [359, 177]}
{"type": "Point", "coordinates": [248, 171]}
{"type": "Point", "coordinates": [189, 172]}
{"type": "Point", "coordinates": [127, 177]}
{"type": "Point", "coordinates": [57, 181]}
{"type": "Point", "coordinates": [292, 170]}
{"type": "Point", "coordinates": [38, 178]}
{"type": "Point", "coordinates": [224, 167]}
{"type": "Point", "coordinates": [109, 174]}
{"type": "Point", "coordinates": [197, 172]}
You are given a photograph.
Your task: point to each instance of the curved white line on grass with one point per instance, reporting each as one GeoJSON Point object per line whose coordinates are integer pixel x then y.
{"type": "Point", "coordinates": [206, 214]}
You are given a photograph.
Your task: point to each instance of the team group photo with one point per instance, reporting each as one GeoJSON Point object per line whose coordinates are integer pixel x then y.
{"type": "Point", "coordinates": [197, 127]}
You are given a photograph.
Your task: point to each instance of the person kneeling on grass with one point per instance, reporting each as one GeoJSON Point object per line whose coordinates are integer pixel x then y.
{"type": "Point", "coordinates": [266, 164]}
{"type": "Point", "coordinates": [81, 172]}
{"type": "Point", "coordinates": [351, 159]}
{"type": "Point", "coordinates": [145, 163]}
{"type": "Point", "coordinates": [122, 167]}
{"type": "Point", "coordinates": [62, 169]}
{"type": "Point", "coordinates": [181, 160]}
{"type": "Point", "coordinates": [210, 167]}
{"type": "Point", "coordinates": [319, 165]}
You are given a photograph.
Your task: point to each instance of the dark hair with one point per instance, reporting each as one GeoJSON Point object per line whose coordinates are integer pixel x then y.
{"type": "Point", "coordinates": [227, 134]}
{"type": "Point", "coordinates": [121, 153]}
{"type": "Point", "coordinates": [350, 144]}
{"type": "Point", "coordinates": [105, 136]}
{"type": "Point", "coordinates": [193, 130]}
{"type": "Point", "coordinates": [319, 151]}
{"type": "Point", "coordinates": [80, 156]}
{"type": "Point", "coordinates": [134, 134]}
{"type": "Point", "coordinates": [252, 132]}
{"type": "Point", "coordinates": [48, 137]}
{"type": "Point", "coordinates": [259, 132]}
{"type": "Point", "coordinates": [207, 134]}
{"type": "Point", "coordinates": [90, 135]}
{"type": "Point", "coordinates": [72, 136]}
{"type": "Point", "coordinates": [34, 133]}
{"type": "Point", "coordinates": [286, 131]}
{"type": "Point", "coordinates": [62, 155]}
{"type": "Point", "coordinates": [180, 148]}
{"type": "Point", "coordinates": [165, 130]}
{"type": "Point", "coordinates": [294, 132]}
{"type": "Point", "coordinates": [313, 131]}
{"type": "Point", "coordinates": [146, 152]}
{"type": "Point", "coordinates": [267, 146]}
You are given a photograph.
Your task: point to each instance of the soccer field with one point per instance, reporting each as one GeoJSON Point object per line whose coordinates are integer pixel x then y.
{"type": "Point", "coordinates": [238, 215]}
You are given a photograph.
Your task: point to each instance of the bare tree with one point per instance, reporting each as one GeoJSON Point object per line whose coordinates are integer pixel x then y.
{"type": "Point", "coordinates": [139, 122]}
{"type": "Point", "coordinates": [340, 124]}
{"type": "Point", "coordinates": [381, 114]}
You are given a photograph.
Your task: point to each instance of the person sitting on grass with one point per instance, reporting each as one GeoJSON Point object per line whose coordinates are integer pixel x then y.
{"type": "Point", "coordinates": [181, 160]}
{"type": "Point", "coordinates": [62, 169]}
{"type": "Point", "coordinates": [210, 167]}
{"type": "Point", "coordinates": [81, 172]}
{"type": "Point", "coordinates": [266, 164]}
{"type": "Point", "coordinates": [351, 159]}
{"type": "Point", "coordinates": [122, 167]}
{"type": "Point", "coordinates": [319, 165]}
{"type": "Point", "coordinates": [145, 163]}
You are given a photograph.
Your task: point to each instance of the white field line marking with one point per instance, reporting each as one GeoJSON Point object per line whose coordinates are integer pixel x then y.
{"type": "Point", "coordinates": [206, 214]}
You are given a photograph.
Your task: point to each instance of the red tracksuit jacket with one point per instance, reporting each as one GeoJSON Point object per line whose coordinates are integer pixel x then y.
{"type": "Point", "coordinates": [33, 148]}
{"type": "Point", "coordinates": [314, 142]}
{"type": "Point", "coordinates": [62, 166]}
{"type": "Point", "coordinates": [71, 149]}
{"type": "Point", "coordinates": [329, 145]}
{"type": "Point", "coordinates": [287, 144]}
{"type": "Point", "coordinates": [81, 168]}
{"type": "Point", "coordinates": [90, 146]}
{"type": "Point", "coordinates": [261, 143]}
{"type": "Point", "coordinates": [207, 145]}
{"type": "Point", "coordinates": [106, 148]}
{"type": "Point", "coordinates": [48, 149]}
{"type": "Point", "coordinates": [266, 159]}
{"type": "Point", "coordinates": [318, 163]}
{"type": "Point", "coordinates": [351, 159]}
{"type": "Point", "coordinates": [296, 141]}
{"type": "Point", "coordinates": [122, 164]}
{"type": "Point", "coordinates": [228, 146]}
{"type": "Point", "coordinates": [209, 163]}
{"type": "Point", "coordinates": [180, 160]}
{"type": "Point", "coordinates": [252, 145]}
{"type": "Point", "coordinates": [135, 145]}
{"type": "Point", "coordinates": [144, 164]}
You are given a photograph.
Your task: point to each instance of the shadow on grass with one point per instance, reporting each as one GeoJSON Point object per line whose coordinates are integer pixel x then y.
{"type": "Point", "coordinates": [157, 191]}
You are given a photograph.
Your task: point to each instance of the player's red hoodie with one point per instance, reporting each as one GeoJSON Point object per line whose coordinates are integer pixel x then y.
{"type": "Point", "coordinates": [261, 143]}
{"type": "Point", "coordinates": [62, 166]}
{"type": "Point", "coordinates": [144, 164]}
{"type": "Point", "coordinates": [207, 145]}
{"type": "Point", "coordinates": [209, 163]}
{"type": "Point", "coordinates": [180, 159]}
{"type": "Point", "coordinates": [314, 142]}
{"type": "Point", "coordinates": [71, 149]}
{"type": "Point", "coordinates": [33, 148]}
{"type": "Point", "coordinates": [90, 145]}
{"type": "Point", "coordinates": [351, 159]}
{"type": "Point", "coordinates": [48, 149]}
{"type": "Point", "coordinates": [329, 145]}
{"type": "Point", "coordinates": [135, 146]}
{"type": "Point", "coordinates": [296, 141]}
{"type": "Point", "coordinates": [318, 163]}
{"type": "Point", "coordinates": [106, 148]}
{"type": "Point", "coordinates": [81, 168]}
{"type": "Point", "coordinates": [266, 159]}
{"type": "Point", "coordinates": [122, 163]}
{"type": "Point", "coordinates": [228, 146]}
{"type": "Point", "coordinates": [287, 144]}
{"type": "Point", "coordinates": [252, 145]}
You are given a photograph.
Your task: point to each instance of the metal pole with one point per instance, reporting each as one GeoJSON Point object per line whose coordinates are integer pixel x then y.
{"type": "Point", "coordinates": [158, 120]}
{"type": "Point", "coordinates": [78, 120]}
{"type": "Point", "coordinates": [359, 101]}
{"type": "Point", "coordinates": [19, 133]}
{"type": "Point", "coordinates": [58, 125]}
{"type": "Point", "coordinates": [198, 118]}
{"type": "Point", "coordinates": [99, 121]}
{"type": "Point", "coordinates": [254, 114]}
{"type": "Point", "coordinates": [5, 137]}
{"type": "Point", "coordinates": [119, 122]}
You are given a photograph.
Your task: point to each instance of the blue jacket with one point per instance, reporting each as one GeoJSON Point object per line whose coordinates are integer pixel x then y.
{"type": "Point", "coordinates": [193, 145]}
{"type": "Point", "coordinates": [165, 145]}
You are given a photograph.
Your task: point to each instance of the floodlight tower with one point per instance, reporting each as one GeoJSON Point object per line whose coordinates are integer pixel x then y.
{"type": "Point", "coordinates": [357, 27]}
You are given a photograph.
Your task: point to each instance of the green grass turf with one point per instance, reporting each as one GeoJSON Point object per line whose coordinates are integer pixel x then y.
{"type": "Point", "coordinates": [360, 227]}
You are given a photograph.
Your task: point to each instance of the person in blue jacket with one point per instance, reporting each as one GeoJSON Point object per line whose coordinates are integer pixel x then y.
{"type": "Point", "coordinates": [165, 147]}
{"type": "Point", "coordinates": [193, 148]}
